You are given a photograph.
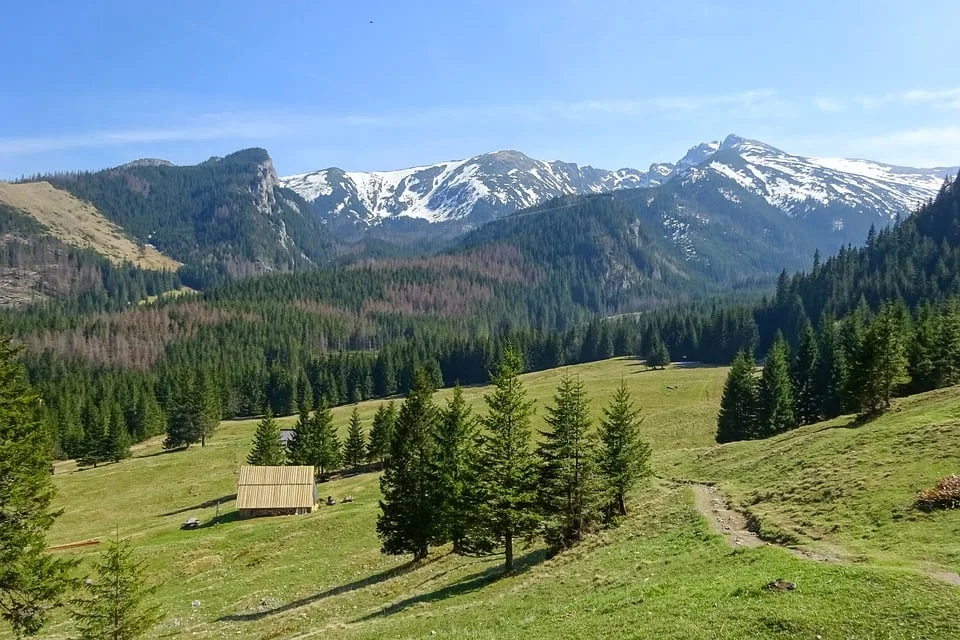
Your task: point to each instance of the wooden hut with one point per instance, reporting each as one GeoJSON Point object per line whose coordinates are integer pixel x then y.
{"type": "Point", "coordinates": [271, 491]}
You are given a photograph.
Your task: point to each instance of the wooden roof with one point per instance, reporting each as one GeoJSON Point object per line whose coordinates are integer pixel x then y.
{"type": "Point", "coordinates": [276, 488]}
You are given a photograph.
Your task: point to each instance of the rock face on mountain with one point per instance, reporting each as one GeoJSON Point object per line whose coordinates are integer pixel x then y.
{"type": "Point", "coordinates": [222, 218]}
{"type": "Point", "coordinates": [831, 193]}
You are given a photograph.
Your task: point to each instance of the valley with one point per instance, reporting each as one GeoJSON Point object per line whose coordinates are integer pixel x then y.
{"type": "Point", "coordinates": [662, 571]}
{"type": "Point", "coordinates": [496, 321]}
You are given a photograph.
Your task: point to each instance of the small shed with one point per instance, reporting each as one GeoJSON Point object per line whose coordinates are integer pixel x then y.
{"type": "Point", "coordinates": [286, 435]}
{"type": "Point", "coordinates": [272, 491]}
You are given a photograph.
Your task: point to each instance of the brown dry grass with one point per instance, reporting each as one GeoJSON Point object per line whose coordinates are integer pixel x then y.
{"type": "Point", "coordinates": [78, 223]}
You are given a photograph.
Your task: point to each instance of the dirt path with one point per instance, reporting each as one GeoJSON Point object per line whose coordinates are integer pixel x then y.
{"type": "Point", "coordinates": [729, 523]}
{"type": "Point", "coordinates": [734, 526]}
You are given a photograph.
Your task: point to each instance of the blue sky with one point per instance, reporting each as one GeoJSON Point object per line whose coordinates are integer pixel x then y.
{"type": "Point", "coordinates": [89, 85]}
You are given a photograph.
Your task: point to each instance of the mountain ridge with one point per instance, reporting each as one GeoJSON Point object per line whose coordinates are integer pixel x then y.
{"type": "Point", "coordinates": [476, 190]}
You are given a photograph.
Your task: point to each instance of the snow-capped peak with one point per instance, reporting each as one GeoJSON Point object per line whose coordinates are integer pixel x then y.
{"type": "Point", "coordinates": [802, 186]}
{"type": "Point", "coordinates": [478, 189]}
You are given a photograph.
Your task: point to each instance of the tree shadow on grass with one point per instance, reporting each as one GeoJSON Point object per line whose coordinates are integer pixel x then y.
{"type": "Point", "coordinates": [855, 422]}
{"type": "Point", "coordinates": [203, 505]}
{"type": "Point", "coordinates": [369, 581]}
{"type": "Point", "coordinates": [467, 585]}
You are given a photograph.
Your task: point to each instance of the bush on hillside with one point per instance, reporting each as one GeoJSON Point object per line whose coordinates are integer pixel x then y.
{"type": "Point", "coordinates": [945, 496]}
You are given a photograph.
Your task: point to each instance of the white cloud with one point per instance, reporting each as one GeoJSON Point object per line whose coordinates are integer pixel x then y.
{"type": "Point", "coordinates": [827, 104]}
{"type": "Point", "coordinates": [266, 125]}
{"type": "Point", "coordinates": [929, 146]}
{"type": "Point", "coordinates": [948, 98]}
{"type": "Point", "coordinates": [918, 147]}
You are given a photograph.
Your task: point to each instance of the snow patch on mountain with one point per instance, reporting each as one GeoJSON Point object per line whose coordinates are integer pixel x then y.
{"type": "Point", "coordinates": [494, 184]}
{"type": "Point", "coordinates": [798, 185]}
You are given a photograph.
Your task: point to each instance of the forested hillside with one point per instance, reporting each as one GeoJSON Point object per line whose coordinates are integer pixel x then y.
{"type": "Point", "coordinates": [539, 279]}
{"type": "Point", "coordinates": [222, 218]}
{"type": "Point", "coordinates": [36, 267]}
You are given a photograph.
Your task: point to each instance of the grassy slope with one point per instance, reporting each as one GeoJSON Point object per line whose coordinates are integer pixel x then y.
{"type": "Point", "coordinates": [851, 486]}
{"type": "Point", "coordinates": [78, 223]}
{"type": "Point", "coordinates": [661, 574]}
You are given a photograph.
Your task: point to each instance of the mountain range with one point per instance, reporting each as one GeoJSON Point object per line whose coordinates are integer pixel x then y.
{"type": "Point", "coordinates": [727, 211]}
{"type": "Point", "coordinates": [469, 193]}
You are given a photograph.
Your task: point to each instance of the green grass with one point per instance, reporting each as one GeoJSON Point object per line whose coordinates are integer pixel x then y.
{"type": "Point", "coordinates": [851, 486]}
{"type": "Point", "coordinates": [661, 574]}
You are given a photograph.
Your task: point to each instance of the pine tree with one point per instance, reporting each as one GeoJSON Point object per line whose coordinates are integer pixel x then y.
{"type": "Point", "coordinates": [924, 349]}
{"type": "Point", "coordinates": [832, 372]}
{"type": "Point", "coordinates": [456, 436]}
{"type": "Point", "coordinates": [114, 605]}
{"type": "Point", "coordinates": [948, 354]}
{"type": "Point", "coordinates": [569, 493]}
{"type": "Point", "coordinates": [327, 454]}
{"type": "Point", "coordinates": [507, 496]}
{"type": "Point", "coordinates": [853, 337]}
{"type": "Point", "coordinates": [31, 581]}
{"type": "Point", "coordinates": [185, 413]}
{"type": "Point", "coordinates": [267, 449]}
{"type": "Point", "coordinates": [883, 359]}
{"type": "Point", "coordinates": [623, 459]}
{"type": "Point", "coordinates": [803, 374]}
{"type": "Point", "coordinates": [658, 357]}
{"type": "Point", "coordinates": [411, 510]}
{"type": "Point", "coordinates": [302, 445]}
{"type": "Point", "coordinates": [304, 393]}
{"type": "Point", "coordinates": [738, 407]}
{"type": "Point", "coordinates": [94, 448]}
{"type": "Point", "coordinates": [118, 440]}
{"type": "Point", "coordinates": [210, 411]}
{"type": "Point", "coordinates": [775, 393]}
{"type": "Point", "coordinates": [378, 449]}
{"type": "Point", "coordinates": [355, 448]}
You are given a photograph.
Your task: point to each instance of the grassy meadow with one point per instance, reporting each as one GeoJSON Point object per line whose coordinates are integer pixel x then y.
{"type": "Point", "coordinates": [842, 488]}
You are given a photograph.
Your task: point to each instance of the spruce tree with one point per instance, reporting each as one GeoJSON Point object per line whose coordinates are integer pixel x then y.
{"type": "Point", "coordinates": [31, 581]}
{"type": "Point", "coordinates": [355, 448]}
{"type": "Point", "coordinates": [302, 445]}
{"type": "Point", "coordinates": [411, 509]}
{"type": "Point", "coordinates": [853, 336]}
{"type": "Point", "coordinates": [304, 393]}
{"type": "Point", "coordinates": [327, 453]}
{"type": "Point", "coordinates": [209, 410]}
{"type": "Point", "coordinates": [95, 445]}
{"type": "Point", "coordinates": [924, 349]}
{"type": "Point", "coordinates": [507, 495]}
{"type": "Point", "coordinates": [114, 607]}
{"type": "Point", "coordinates": [775, 412]}
{"type": "Point", "coordinates": [267, 449]}
{"type": "Point", "coordinates": [185, 412]}
{"type": "Point", "coordinates": [568, 490]}
{"type": "Point", "coordinates": [456, 435]}
{"type": "Point", "coordinates": [738, 406]}
{"type": "Point", "coordinates": [832, 371]}
{"type": "Point", "coordinates": [803, 372]}
{"type": "Point", "coordinates": [948, 353]}
{"type": "Point", "coordinates": [883, 359]}
{"type": "Point", "coordinates": [118, 440]}
{"type": "Point", "coordinates": [623, 459]}
{"type": "Point", "coordinates": [378, 449]}
{"type": "Point", "coordinates": [658, 357]}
